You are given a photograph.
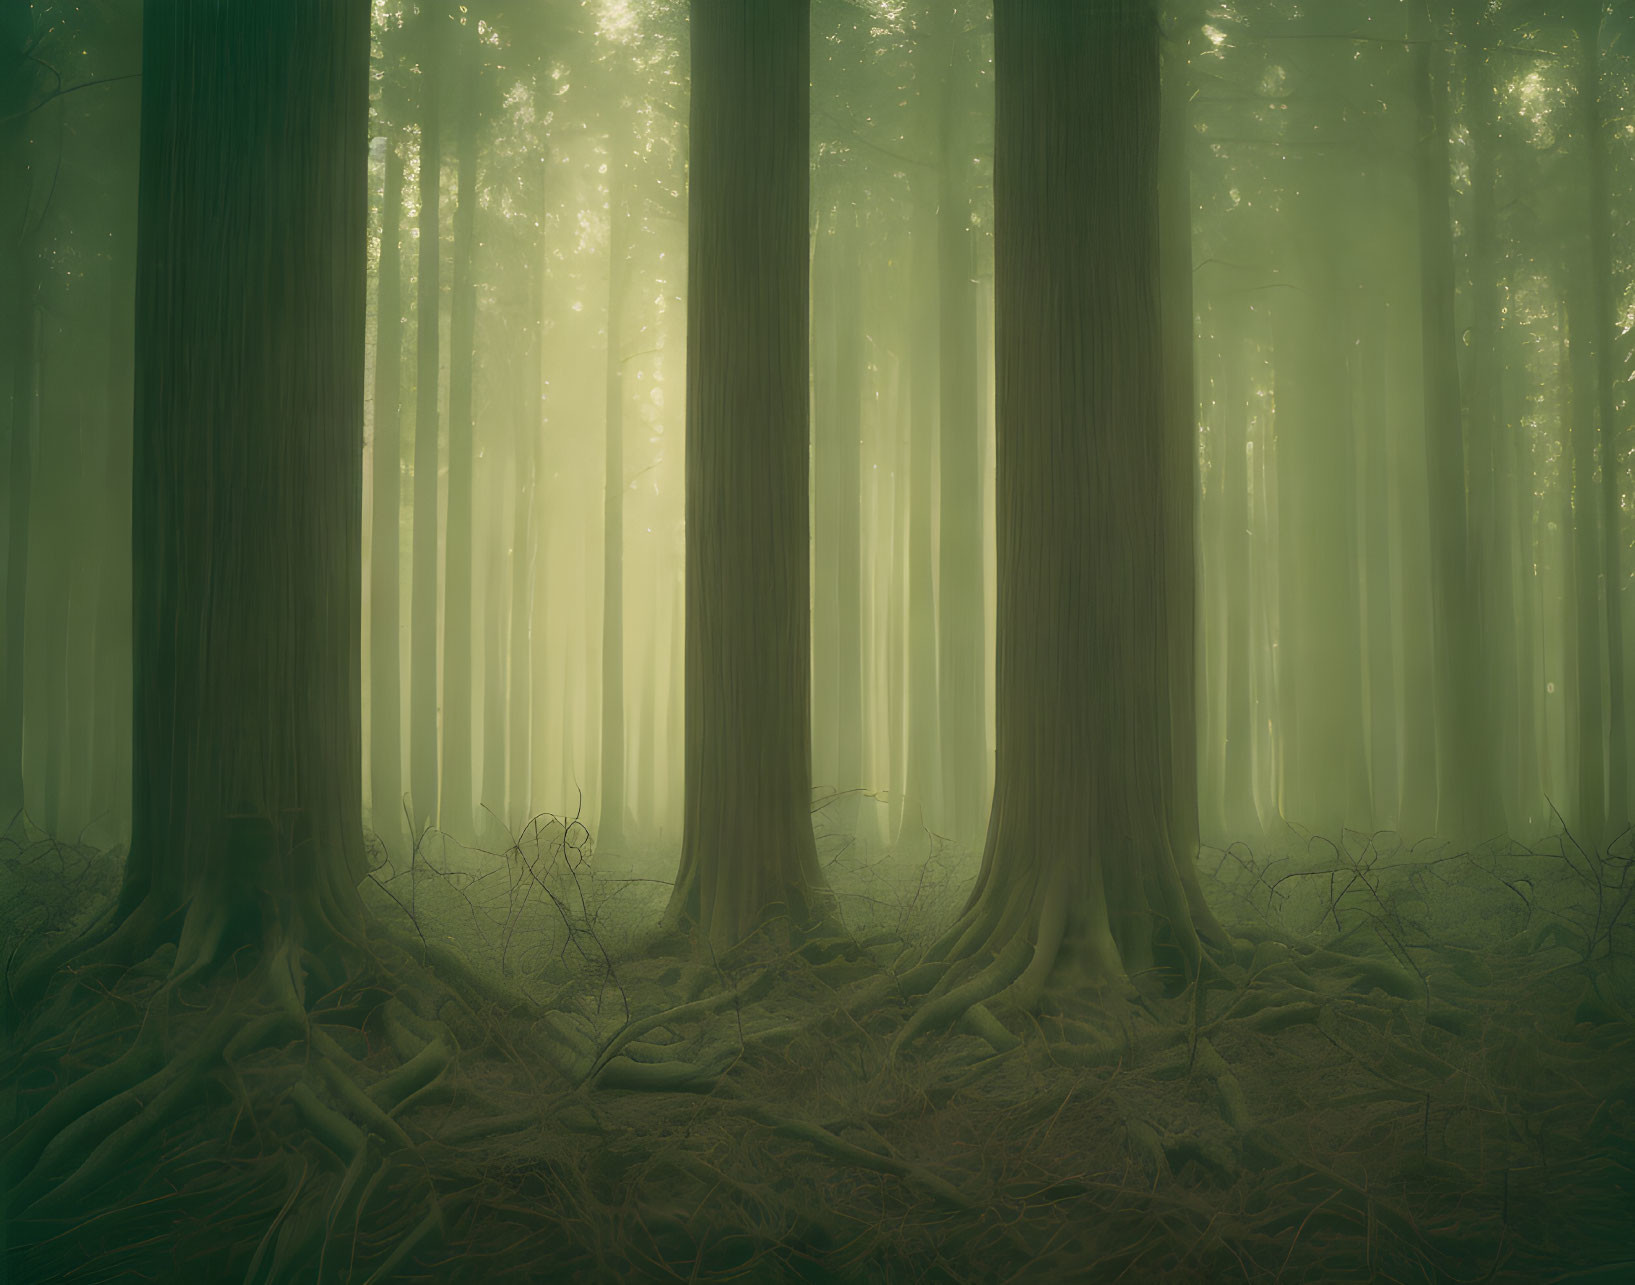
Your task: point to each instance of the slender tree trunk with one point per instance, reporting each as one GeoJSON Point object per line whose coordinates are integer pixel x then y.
{"type": "Point", "coordinates": [850, 365]}
{"type": "Point", "coordinates": [497, 609]}
{"type": "Point", "coordinates": [1463, 778]}
{"type": "Point", "coordinates": [423, 746]}
{"type": "Point", "coordinates": [1603, 330]}
{"type": "Point", "coordinates": [459, 688]}
{"type": "Point", "coordinates": [610, 829]}
{"type": "Point", "coordinates": [1238, 805]}
{"type": "Point", "coordinates": [826, 413]}
{"type": "Point", "coordinates": [1582, 544]}
{"type": "Point", "coordinates": [112, 769]}
{"type": "Point", "coordinates": [960, 617]}
{"type": "Point", "coordinates": [1485, 435]}
{"type": "Point", "coordinates": [386, 632]}
{"type": "Point", "coordinates": [1079, 882]}
{"type": "Point", "coordinates": [525, 528]}
{"type": "Point", "coordinates": [1179, 455]}
{"type": "Point", "coordinates": [922, 747]}
{"type": "Point", "coordinates": [20, 487]}
{"type": "Point", "coordinates": [46, 647]}
{"type": "Point", "coordinates": [248, 790]}
{"type": "Point", "coordinates": [747, 846]}
{"type": "Point", "coordinates": [17, 385]}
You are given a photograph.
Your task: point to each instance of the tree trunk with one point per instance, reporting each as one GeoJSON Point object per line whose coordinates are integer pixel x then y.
{"type": "Point", "coordinates": [1584, 705]}
{"type": "Point", "coordinates": [1179, 454]}
{"type": "Point", "coordinates": [423, 593]}
{"type": "Point", "coordinates": [524, 539]}
{"type": "Point", "coordinates": [960, 617]}
{"type": "Point", "coordinates": [610, 828]}
{"type": "Point", "coordinates": [386, 622]}
{"type": "Point", "coordinates": [922, 741]}
{"type": "Point", "coordinates": [747, 845]}
{"type": "Point", "coordinates": [17, 383]}
{"type": "Point", "coordinates": [458, 671]}
{"type": "Point", "coordinates": [248, 786]}
{"type": "Point", "coordinates": [20, 487]}
{"type": "Point", "coordinates": [1486, 439]}
{"type": "Point", "coordinates": [1464, 805]}
{"type": "Point", "coordinates": [1603, 331]}
{"type": "Point", "coordinates": [1079, 882]}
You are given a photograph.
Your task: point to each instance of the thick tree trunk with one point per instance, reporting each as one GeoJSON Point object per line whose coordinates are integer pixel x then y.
{"type": "Point", "coordinates": [423, 747]}
{"type": "Point", "coordinates": [386, 625]}
{"type": "Point", "coordinates": [747, 846]}
{"type": "Point", "coordinates": [248, 788]}
{"type": "Point", "coordinates": [459, 688]}
{"type": "Point", "coordinates": [1079, 881]}
{"type": "Point", "coordinates": [610, 828]}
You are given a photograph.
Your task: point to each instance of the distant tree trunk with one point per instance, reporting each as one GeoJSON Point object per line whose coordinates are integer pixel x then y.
{"type": "Point", "coordinates": [961, 623]}
{"type": "Point", "coordinates": [1603, 331]}
{"type": "Point", "coordinates": [1465, 806]}
{"type": "Point", "coordinates": [1079, 883]}
{"type": "Point", "coordinates": [825, 542]}
{"type": "Point", "coordinates": [747, 845]}
{"type": "Point", "coordinates": [17, 384]}
{"type": "Point", "coordinates": [45, 726]}
{"type": "Point", "coordinates": [1490, 477]}
{"type": "Point", "coordinates": [1584, 704]}
{"type": "Point", "coordinates": [922, 744]}
{"type": "Point", "coordinates": [525, 527]}
{"type": "Point", "coordinates": [19, 503]}
{"type": "Point", "coordinates": [386, 623]}
{"type": "Point", "coordinates": [248, 789]}
{"type": "Point", "coordinates": [610, 828]}
{"type": "Point", "coordinates": [1237, 779]}
{"type": "Point", "coordinates": [837, 639]}
{"type": "Point", "coordinates": [850, 367]}
{"type": "Point", "coordinates": [458, 670]}
{"type": "Point", "coordinates": [423, 747]}
{"type": "Point", "coordinates": [496, 618]}
{"type": "Point", "coordinates": [1179, 456]}
{"type": "Point", "coordinates": [112, 771]}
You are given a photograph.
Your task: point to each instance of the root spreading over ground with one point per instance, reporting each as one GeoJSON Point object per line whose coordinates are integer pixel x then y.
{"type": "Point", "coordinates": [1407, 1066]}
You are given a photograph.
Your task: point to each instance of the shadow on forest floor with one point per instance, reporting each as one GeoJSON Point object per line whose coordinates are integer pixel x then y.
{"type": "Point", "coordinates": [1416, 1065]}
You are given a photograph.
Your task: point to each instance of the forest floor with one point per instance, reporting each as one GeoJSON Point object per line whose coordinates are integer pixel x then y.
{"type": "Point", "coordinates": [1418, 1066]}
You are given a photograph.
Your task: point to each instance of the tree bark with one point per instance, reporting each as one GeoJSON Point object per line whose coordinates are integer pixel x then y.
{"type": "Point", "coordinates": [1179, 454]}
{"type": "Point", "coordinates": [456, 808]}
{"type": "Point", "coordinates": [1464, 796]}
{"type": "Point", "coordinates": [1603, 330]}
{"type": "Point", "coordinates": [747, 846]}
{"type": "Point", "coordinates": [1079, 883]}
{"type": "Point", "coordinates": [922, 739]}
{"type": "Point", "coordinates": [961, 623]}
{"type": "Point", "coordinates": [386, 622]}
{"type": "Point", "coordinates": [248, 765]}
{"type": "Point", "coordinates": [610, 828]}
{"type": "Point", "coordinates": [423, 746]}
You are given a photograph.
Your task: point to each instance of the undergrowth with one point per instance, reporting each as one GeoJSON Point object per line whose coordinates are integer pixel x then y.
{"type": "Point", "coordinates": [1415, 1064]}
